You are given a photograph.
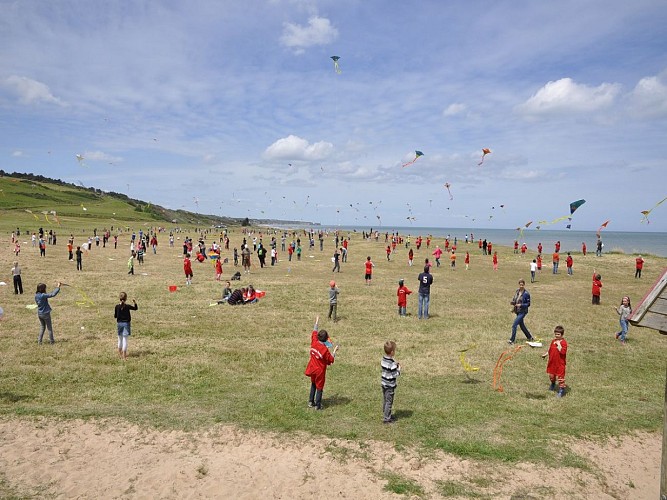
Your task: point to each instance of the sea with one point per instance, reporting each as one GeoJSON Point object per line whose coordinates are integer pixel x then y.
{"type": "Point", "coordinates": [648, 243]}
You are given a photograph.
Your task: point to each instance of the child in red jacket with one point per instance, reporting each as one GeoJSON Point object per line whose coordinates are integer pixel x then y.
{"type": "Point", "coordinates": [187, 268]}
{"type": "Point", "coordinates": [557, 355]}
{"type": "Point", "coordinates": [597, 287]}
{"type": "Point", "coordinates": [320, 358]}
{"type": "Point", "coordinates": [402, 294]}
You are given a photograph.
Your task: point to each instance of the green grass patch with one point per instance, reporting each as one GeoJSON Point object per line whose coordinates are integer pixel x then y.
{"type": "Point", "coordinates": [402, 485]}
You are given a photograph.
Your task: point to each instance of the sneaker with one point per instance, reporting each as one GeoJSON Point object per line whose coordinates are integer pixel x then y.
{"type": "Point", "coordinates": [561, 392]}
{"type": "Point", "coordinates": [510, 342]}
{"type": "Point", "coordinates": [319, 408]}
{"type": "Point", "coordinates": [311, 404]}
{"type": "Point", "coordinates": [391, 421]}
{"type": "Point", "coordinates": [618, 335]}
{"type": "Point", "coordinates": [552, 387]}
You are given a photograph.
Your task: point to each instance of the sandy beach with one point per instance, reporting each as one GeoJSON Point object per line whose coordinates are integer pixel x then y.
{"type": "Point", "coordinates": [107, 459]}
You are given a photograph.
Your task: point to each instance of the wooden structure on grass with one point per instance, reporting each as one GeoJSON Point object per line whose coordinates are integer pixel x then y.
{"type": "Point", "coordinates": [652, 313]}
{"type": "Point", "coordinates": [652, 310]}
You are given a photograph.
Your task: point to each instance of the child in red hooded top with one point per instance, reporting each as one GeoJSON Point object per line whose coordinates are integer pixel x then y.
{"type": "Point", "coordinates": [402, 294]}
{"type": "Point", "coordinates": [320, 358]}
{"type": "Point", "coordinates": [597, 287]}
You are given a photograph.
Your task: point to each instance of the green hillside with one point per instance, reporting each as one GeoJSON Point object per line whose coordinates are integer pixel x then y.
{"type": "Point", "coordinates": [26, 198]}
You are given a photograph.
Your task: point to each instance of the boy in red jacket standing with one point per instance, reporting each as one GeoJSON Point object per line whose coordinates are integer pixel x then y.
{"type": "Point", "coordinates": [557, 355]}
{"type": "Point", "coordinates": [320, 358]}
{"type": "Point", "coordinates": [402, 294]}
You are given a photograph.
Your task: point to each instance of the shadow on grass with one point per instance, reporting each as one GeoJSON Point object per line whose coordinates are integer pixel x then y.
{"type": "Point", "coordinates": [471, 380]}
{"type": "Point", "coordinates": [536, 395]}
{"type": "Point", "coordinates": [10, 397]}
{"type": "Point", "coordinates": [337, 400]}
{"type": "Point", "coordinates": [140, 353]}
{"type": "Point", "coordinates": [401, 414]}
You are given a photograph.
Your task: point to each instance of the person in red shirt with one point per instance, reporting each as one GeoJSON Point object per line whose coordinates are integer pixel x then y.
{"type": "Point", "coordinates": [402, 294]}
{"type": "Point", "coordinates": [437, 253]}
{"type": "Point", "coordinates": [467, 260]}
{"type": "Point", "coordinates": [218, 269]}
{"type": "Point", "coordinates": [495, 261]}
{"type": "Point", "coordinates": [388, 252]}
{"type": "Point", "coordinates": [369, 270]}
{"type": "Point", "coordinates": [516, 246]}
{"type": "Point", "coordinates": [568, 263]}
{"type": "Point", "coordinates": [539, 263]}
{"type": "Point", "coordinates": [557, 246]}
{"type": "Point", "coordinates": [639, 265]}
{"type": "Point", "coordinates": [597, 288]}
{"type": "Point", "coordinates": [187, 268]}
{"type": "Point", "coordinates": [557, 355]}
{"type": "Point", "coordinates": [320, 358]}
{"type": "Point", "coordinates": [583, 248]}
{"type": "Point", "coordinates": [556, 261]}
{"type": "Point", "coordinates": [524, 247]}
{"type": "Point", "coordinates": [539, 247]}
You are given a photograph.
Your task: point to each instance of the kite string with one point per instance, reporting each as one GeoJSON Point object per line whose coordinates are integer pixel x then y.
{"type": "Point", "coordinates": [498, 370]}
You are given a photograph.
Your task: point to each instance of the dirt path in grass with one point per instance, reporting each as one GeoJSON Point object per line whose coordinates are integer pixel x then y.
{"type": "Point", "coordinates": [74, 459]}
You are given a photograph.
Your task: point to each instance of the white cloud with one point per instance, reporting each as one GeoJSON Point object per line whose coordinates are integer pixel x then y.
{"type": "Point", "coordinates": [17, 153]}
{"type": "Point", "coordinates": [319, 31]}
{"type": "Point", "coordinates": [296, 148]}
{"type": "Point", "coordinates": [101, 156]}
{"type": "Point", "coordinates": [649, 97]}
{"type": "Point", "coordinates": [30, 91]}
{"type": "Point", "coordinates": [454, 109]}
{"type": "Point", "coordinates": [565, 95]}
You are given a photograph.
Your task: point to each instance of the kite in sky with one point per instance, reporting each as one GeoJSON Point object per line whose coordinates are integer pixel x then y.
{"type": "Point", "coordinates": [520, 229]}
{"type": "Point", "coordinates": [81, 160]}
{"type": "Point", "coordinates": [336, 66]}
{"type": "Point", "coordinates": [485, 151]}
{"type": "Point", "coordinates": [576, 204]}
{"type": "Point", "coordinates": [448, 185]}
{"type": "Point", "coordinates": [604, 224]}
{"type": "Point", "coordinates": [417, 155]}
{"type": "Point", "coordinates": [646, 212]}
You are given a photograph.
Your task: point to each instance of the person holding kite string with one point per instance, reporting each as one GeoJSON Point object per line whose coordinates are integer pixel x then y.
{"type": "Point", "coordinates": [320, 358]}
{"type": "Point", "coordinates": [44, 310]}
{"type": "Point", "coordinates": [520, 304]}
{"type": "Point", "coordinates": [123, 321]}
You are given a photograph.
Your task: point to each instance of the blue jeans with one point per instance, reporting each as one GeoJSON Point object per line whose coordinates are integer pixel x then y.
{"type": "Point", "coordinates": [555, 267]}
{"type": "Point", "coordinates": [45, 324]}
{"type": "Point", "coordinates": [624, 329]}
{"type": "Point", "coordinates": [519, 322]}
{"type": "Point", "coordinates": [123, 328]}
{"type": "Point", "coordinates": [422, 310]}
{"type": "Point", "coordinates": [401, 311]}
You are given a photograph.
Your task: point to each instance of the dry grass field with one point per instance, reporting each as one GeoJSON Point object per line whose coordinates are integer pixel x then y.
{"type": "Point", "coordinates": [194, 366]}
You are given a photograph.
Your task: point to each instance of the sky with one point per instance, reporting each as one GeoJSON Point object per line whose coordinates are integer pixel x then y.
{"type": "Point", "coordinates": [236, 108]}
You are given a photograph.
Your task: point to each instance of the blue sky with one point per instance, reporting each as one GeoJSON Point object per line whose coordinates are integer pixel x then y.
{"type": "Point", "coordinates": [234, 108]}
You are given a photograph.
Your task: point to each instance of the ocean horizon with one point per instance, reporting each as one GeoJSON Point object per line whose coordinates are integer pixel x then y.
{"type": "Point", "coordinates": [632, 243]}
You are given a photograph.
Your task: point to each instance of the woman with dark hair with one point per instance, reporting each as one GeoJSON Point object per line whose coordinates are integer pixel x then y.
{"type": "Point", "coordinates": [44, 310]}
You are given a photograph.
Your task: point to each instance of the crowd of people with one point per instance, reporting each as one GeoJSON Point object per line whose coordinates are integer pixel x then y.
{"type": "Point", "coordinates": [254, 244]}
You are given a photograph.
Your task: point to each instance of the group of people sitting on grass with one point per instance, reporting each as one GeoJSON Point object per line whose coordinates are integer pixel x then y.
{"type": "Point", "coordinates": [239, 296]}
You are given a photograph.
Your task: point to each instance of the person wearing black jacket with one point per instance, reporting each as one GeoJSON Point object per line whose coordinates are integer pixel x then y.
{"type": "Point", "coordinates": [123, 321]}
